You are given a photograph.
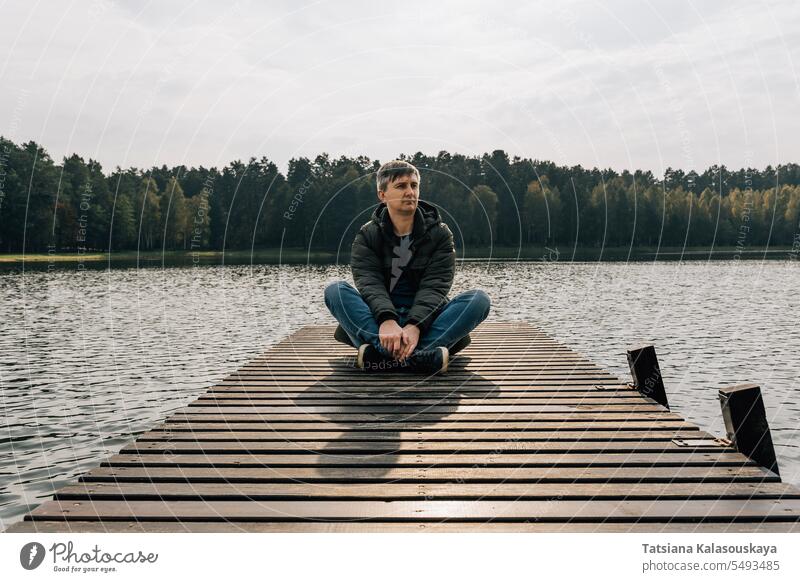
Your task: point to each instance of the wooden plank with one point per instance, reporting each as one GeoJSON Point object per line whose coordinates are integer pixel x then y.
{"type": "Point", "coordinates": [314, 369]}
{"type": "Point", "coordinates": [690, 474]}
{"type": "Point", "coordinates": [472, 351]}
{"type": "Point", "coordinates": [485, 336]}
{"type": "Point", "coordinates": [399, 374]}
{"type": "Point", "coordinates": [468, 355]}
{"type": "Point", "coordinates": [476, 349]}
{"type": "Point", "coordinates": [166, 458]}
{"type": "Point", "coordinates": [545, 361]}
{"type": "Point", "coordinates": [468, 510]}
{"type": "Point", "coordinates": [415, 415]}
{"type": "Point", "coordinates": [490, 343]}
{"type": "Point", "coordinates": [381, 401]}
{"type": "Point", "coordinates": [396, 527]}
{"type": "Point", "coordinates": [405, 378]}
{"type": "Point", "coordinates": [488, 397]}
{"type": "Point", "coordinates": [410, 491]}
{"type": "Point", "coordinates": [368, 382]}
{"type": "Point", "coordinates": [222, 423]}
{"type": "Point", "coordinates": [180, 433]}
{"type": "Point", "coordinates": [514, 405]}
{"type": "Point", "coordinates": [468, 389]}
{"type": "Point", "coordinates": [523, 358]}
{"type": "Point", "coordinates": [597, 401]}
{"type": "Point", "coordinates": [471, 354]}
{"type": "Point", "coordinates": [461, 364]}
{"type": "Point", "coordinates": [142, 447]}
{"type": "Point", "coordinates": [549, 409]}
{"type": "Point", "coordinates": [521, 347]}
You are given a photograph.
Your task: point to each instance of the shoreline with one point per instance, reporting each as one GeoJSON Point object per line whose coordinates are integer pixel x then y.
{"type": "Point", "coordinates": [300, 256]}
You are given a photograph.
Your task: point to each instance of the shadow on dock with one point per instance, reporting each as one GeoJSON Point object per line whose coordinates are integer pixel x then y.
{"type": "Point", "coordinates": [375, 410]}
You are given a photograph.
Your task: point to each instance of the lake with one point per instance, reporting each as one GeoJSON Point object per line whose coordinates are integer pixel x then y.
{"type": "Point", "coordinates": [89, 359]}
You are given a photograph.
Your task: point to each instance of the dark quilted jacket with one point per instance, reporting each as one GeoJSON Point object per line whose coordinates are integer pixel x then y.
{"type": "Point", "coordinates": [430, 270]}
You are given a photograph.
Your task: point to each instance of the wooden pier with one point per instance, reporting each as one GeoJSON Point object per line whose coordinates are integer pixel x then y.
{"type": "Point", "coordinates": [523, 435]}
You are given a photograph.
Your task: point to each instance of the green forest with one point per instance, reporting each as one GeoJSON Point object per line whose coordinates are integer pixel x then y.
{"type": "Point", "coordinates": [47, 206]}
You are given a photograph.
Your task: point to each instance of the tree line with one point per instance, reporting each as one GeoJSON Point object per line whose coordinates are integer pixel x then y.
{"type": "Point", "coordinates": [319, 204]}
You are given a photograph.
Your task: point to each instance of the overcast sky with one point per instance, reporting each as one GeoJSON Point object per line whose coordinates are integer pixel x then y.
{"type": "Point", "coordinates": [614, 83]}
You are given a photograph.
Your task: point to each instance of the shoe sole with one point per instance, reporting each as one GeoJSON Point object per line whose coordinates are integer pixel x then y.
{"type": "Point", "coordinates": [360, 357]}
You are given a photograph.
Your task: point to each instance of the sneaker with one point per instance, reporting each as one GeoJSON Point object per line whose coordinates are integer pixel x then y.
{"type": "Point", "coordinates": [431, 361]}
{"type": "Point", "coordinates": [460, 345]}
{"type": "Point", "coordinates": [371, 359]}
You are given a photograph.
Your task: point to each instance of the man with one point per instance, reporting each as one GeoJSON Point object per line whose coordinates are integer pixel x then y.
{"type": "Point", "coordinates": [403, 263]}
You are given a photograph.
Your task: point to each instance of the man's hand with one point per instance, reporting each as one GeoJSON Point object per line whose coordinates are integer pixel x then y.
{"type": "Point", "coordinates": [410, 340]}
{"type": "Point", "coordinates": [391, 335]}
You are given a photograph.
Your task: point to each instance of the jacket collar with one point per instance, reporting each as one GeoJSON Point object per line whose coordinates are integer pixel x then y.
{"type": "Point", "coordinates": [425, 217]}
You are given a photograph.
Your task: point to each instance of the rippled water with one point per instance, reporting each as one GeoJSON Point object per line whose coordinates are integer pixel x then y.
{"type": "Point", "coordinates": [89, 359]}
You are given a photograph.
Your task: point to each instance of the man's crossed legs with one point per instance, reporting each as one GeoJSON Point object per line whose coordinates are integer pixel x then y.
{"type": "Point", "coordinates": [457, 318]}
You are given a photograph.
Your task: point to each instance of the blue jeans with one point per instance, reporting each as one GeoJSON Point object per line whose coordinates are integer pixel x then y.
{"type": "Point", "coordinates": [460, 316]}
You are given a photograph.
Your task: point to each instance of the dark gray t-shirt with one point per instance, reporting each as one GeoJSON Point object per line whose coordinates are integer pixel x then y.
{"type": "Point", "coordinates": [401, 290]}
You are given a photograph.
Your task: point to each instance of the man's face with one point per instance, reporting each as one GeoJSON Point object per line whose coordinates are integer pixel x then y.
{"type": "Point", "coordinates": [402, 195]}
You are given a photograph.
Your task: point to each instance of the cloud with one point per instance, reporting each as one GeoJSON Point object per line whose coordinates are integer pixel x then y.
{"type": "Point", "coordinates": [613, 84]}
